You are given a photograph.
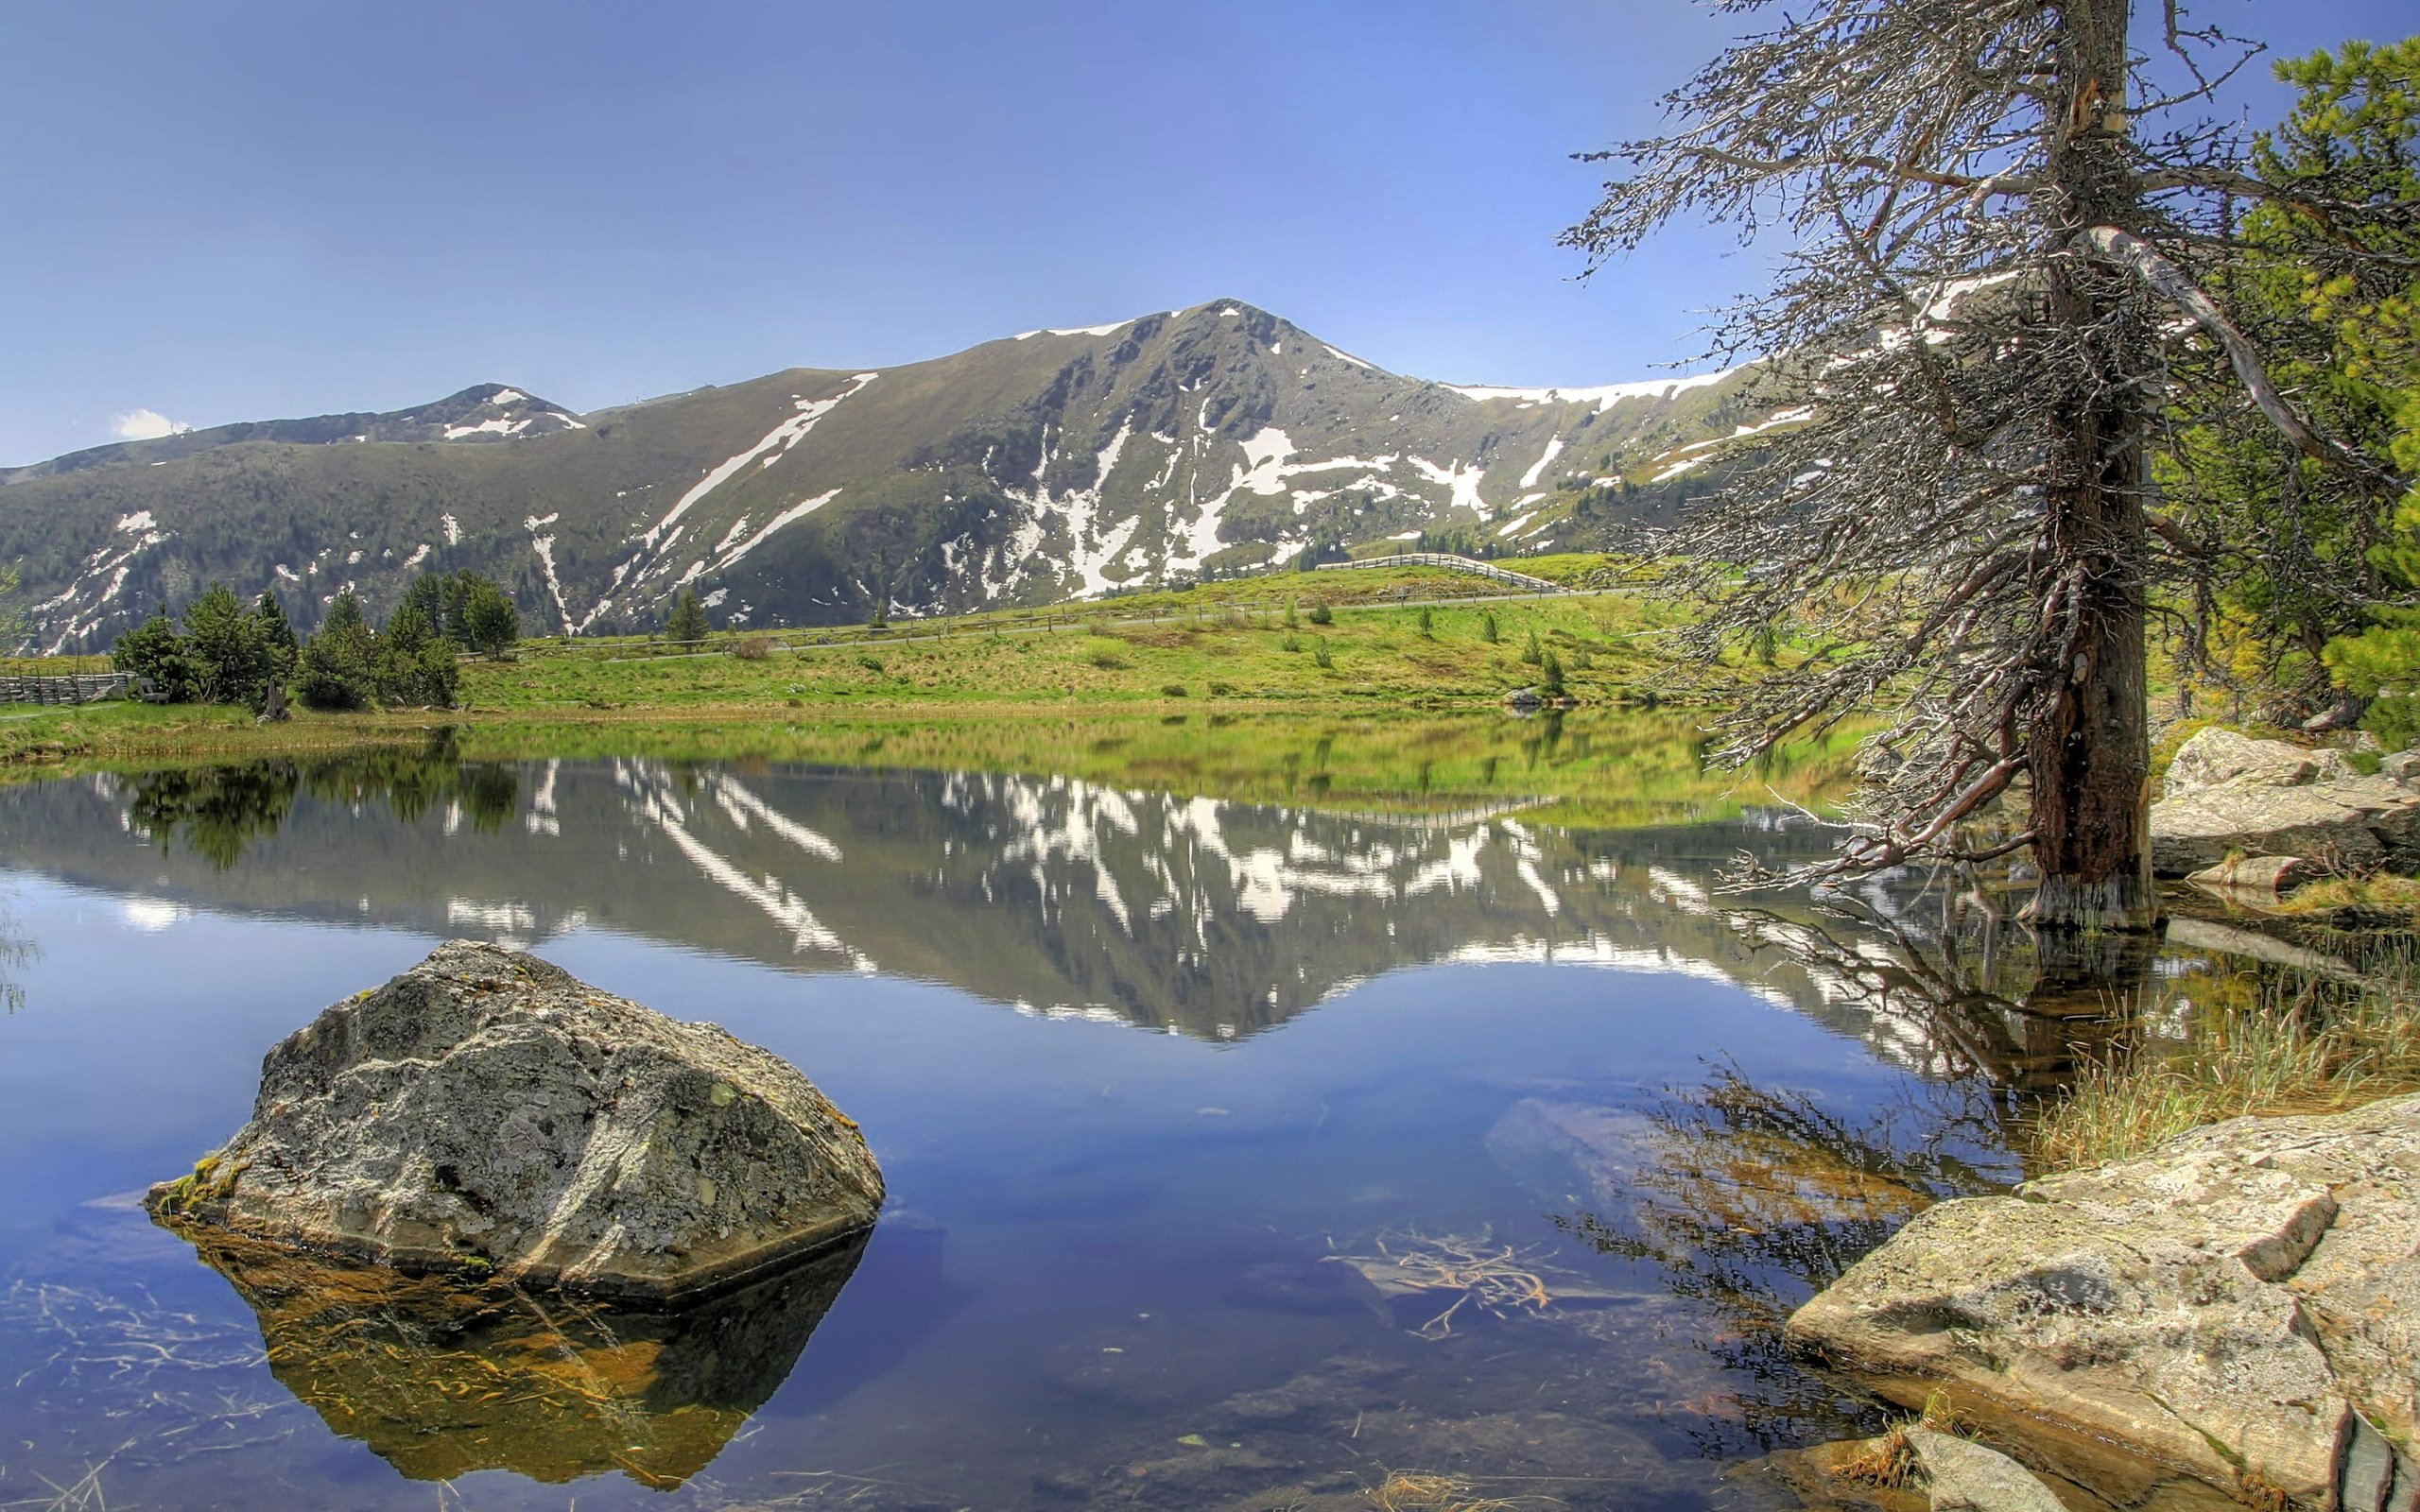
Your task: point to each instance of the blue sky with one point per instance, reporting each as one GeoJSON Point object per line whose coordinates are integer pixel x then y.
{"type": "Point", "coordinates": [240, 211]}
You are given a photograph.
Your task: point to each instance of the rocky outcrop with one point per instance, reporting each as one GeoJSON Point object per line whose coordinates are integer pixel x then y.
{"type": "Point", "coordinates": [2256, 876]}
{"type": "Point", "coordinates": [2242, 1304]}
{"type": "Point", "coordinates": [2229, 794]}
{"type": "Point", "coordinates": [1960, 1476]}
{"type": "Point", "coordinates": [486, 1112]}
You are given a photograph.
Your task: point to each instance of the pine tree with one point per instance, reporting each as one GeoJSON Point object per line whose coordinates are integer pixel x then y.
{"type": "Point", "coordinates": [491, 620]}
{"type": "Point", "coordinates": [336, 669]}
{"type": "Point", "coordinates": [2283, 553]}
{"type": "Point", "coordinates": [688, 620]}
{"type": "Point", "coordinates": [277, 636]}
{"type": "Point", "coordinates": [414, 666]}
{"type": "Point", "coordinates": [2004, 228]}
{"type": "Point", "coordinates": [230, 653]}
{"type": "Point", "coordinates": [155, 656]}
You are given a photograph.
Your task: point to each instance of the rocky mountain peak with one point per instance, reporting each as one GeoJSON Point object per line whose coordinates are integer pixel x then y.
{"type": "Point", "coordinates": [1072, 462]}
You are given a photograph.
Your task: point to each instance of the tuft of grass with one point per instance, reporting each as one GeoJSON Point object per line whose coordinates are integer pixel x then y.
{"type": "Point", "coordinates": [2381, 896]}
{"type": "Point", "coordinates": [2285, 1042]}
{"type": "Point", "coordinates": [1888, 1461]}
{"type": "Point", "coordinates": [1410, 1491]}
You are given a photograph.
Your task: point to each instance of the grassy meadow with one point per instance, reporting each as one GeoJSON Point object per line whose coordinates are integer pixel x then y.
{"type": "Point", "coordinates": [1377, 688]}
{"type": "Point", "coordinates": [1302, 648]}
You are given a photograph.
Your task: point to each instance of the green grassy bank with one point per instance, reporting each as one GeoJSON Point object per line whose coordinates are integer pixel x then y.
{"type": "Point", "coordinates": [1311, 651]}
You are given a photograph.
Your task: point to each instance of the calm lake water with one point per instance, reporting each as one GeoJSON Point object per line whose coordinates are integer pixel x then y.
{"type": "Point", "coordinates": [1159, 1083]}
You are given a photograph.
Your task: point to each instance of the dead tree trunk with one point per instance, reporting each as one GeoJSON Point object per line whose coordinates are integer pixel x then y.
{"type": "Point", "coordinates": [2088, 752]}
{"type": "Point", "coordinates": [1994, 246]}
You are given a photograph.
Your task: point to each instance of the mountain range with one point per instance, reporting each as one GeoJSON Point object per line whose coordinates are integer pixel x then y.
{"type": "Point", "coordinates": [1044, 466]}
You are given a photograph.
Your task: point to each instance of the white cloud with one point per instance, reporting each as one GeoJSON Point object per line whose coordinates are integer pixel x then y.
{"type": "Point", "coordinates": [146, 425]}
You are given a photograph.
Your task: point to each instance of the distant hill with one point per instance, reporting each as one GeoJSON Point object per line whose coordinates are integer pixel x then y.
{"type": "Point", "coordinates": [1040, 467]}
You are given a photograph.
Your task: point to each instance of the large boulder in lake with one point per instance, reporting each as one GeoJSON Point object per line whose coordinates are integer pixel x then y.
{"type": "Point", "coordinates": [487, 1112]}
{"type": "Point", "coordinates": [2229, 794]}
{"type": "Point", "coordinates": [2242, 1303]}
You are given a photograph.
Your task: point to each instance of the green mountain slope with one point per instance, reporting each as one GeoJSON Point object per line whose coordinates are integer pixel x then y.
{"type": "Point", "coordinates": [1040, 467]}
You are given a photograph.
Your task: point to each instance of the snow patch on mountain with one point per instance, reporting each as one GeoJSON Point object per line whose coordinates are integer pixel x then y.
{"type": "Point", "coordinates": [1266, 455]}
{"type": "Point", "coordinates": [545, 548]}
{"type": "Point", "coordinates": [1546, 459]}
{"type": "Point", "coordinates": [1091, 550]}
{"type": "Point", "coordinates": [785, 435]}
{"type": "Point", "coordinates": [1462, 482]}
{"type": "Point", "coordinates": [1604, 396]}
{"type": "Point", "coordinates": [1111, 329]}
{"type": "Point", "coordinates": [789, 516]}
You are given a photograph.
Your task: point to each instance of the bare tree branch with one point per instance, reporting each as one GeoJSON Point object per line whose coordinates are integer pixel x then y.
{"type": "Point", "coordinates": [2171, 284]}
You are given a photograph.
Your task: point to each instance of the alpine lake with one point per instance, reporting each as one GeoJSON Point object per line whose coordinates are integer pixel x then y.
{"type": "Point", "coordinates": [1268, 1110]}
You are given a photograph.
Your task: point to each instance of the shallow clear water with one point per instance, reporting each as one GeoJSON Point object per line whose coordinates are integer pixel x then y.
{"type": "Point", "coordinates": [1148, 1076]}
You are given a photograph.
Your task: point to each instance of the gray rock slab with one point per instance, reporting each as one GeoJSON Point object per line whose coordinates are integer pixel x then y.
{"type": "Point", "coordinates": [1963, 1476]}
{"type": "Point", "coordinates": [2229, 794]}
{"type": "Point", "coordinates": [486, 1111]}
{"type": "Point", "coordinates": [2216, 757]}
{"type": "Point", "coordinates": [2229, 1303]}
{"type": "Point", "coordinates": [2265, 876]}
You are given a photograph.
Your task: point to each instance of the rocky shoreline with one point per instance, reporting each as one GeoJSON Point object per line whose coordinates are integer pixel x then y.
{"type": "Point", "coordinates": [2241, 1305]}
{"type": "Point", "coordinates": [2242, 811]}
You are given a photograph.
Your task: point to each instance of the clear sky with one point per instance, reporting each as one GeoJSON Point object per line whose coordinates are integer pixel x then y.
{"type": "Point", "coordinates": [240, 211]}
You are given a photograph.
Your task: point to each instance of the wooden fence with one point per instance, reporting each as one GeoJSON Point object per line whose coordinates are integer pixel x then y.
{"type": "Point", "coordinates": [84, 688]}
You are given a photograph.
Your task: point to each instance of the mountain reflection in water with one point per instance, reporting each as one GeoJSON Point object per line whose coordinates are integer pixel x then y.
{"type": "Point", "coordinates": [1056, 896]}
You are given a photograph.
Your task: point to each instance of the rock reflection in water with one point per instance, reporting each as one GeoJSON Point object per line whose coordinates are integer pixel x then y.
{"type": "Point", "coordinates": [440, 1381]}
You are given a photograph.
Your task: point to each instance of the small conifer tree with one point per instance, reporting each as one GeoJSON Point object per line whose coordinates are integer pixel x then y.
{"type": "Point", "coordinates": [688, 620]}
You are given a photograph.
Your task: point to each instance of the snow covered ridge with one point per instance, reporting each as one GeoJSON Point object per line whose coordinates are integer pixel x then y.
{"type": "Point", "coordinates": [499, 415]}
{"type": "Point", "coordinates": [1075, 463]}
{"type": "Point", "coordinates": [1603, 397]}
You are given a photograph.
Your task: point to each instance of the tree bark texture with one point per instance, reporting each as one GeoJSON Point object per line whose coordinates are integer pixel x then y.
{"type": "Point", "coordinates": [2089, 748]}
